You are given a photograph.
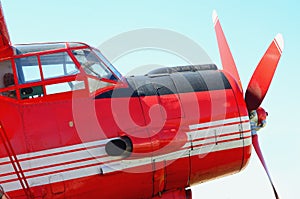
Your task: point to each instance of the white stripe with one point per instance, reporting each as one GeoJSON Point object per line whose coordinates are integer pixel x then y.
{"type": "Point", "coordinates": [218, 122]}
{"type": "Point", "coordinates": [279, 42]}
{"type": "Point", "coordinates": [7, 168]}
{"type": "Point", "coordinates": [67, 175]}
{"type": "Point", "coordinates": [50, 159]}
{"type": "Point", "coordinates": [11, 186]}
{"type": "Point", "coordinates": [63, 158]}
{"type": "Point", "coordinates": [248, 141]}
{"type": "Point", "coordinates": [60, 159]}
{"type": "Point", "coordinates": [218, 139]}
{"type": "Point", "coordinates": [219, 147]}
{"type": "Point", "coordinates": [62, 149]}
{"type": "Point", "coordinates": [218, 131]}
{"type": "Point", "coordinates": [8, 177]}
{"type": "Point", "coordinates": [117, 166]}
{"type": "Point", "coordinates": [6, 159]}
{"type": "Point", "coordinates": [70, 166]}
{"type": "Point", "coordinates": [214, 17]}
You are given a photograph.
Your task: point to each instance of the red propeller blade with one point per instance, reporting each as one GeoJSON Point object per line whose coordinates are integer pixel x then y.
{"type": "Point", "coordinates": [263, 74]}
{"type": "Point", "coordinates": [261, 158]}
{"type": "Point", "coordinates": [225, 53]}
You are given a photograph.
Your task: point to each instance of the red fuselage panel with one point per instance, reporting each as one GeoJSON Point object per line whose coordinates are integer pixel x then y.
{"type": "Point", "coordinates": [185, 128]}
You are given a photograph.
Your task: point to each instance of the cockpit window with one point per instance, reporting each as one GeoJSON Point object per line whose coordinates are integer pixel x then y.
{"type": "Point", "coordinates": [53, 65]}
{"type": "Point", "coordinates": [92, 65]}
{"type": "Point", "coordinates": [58, 65]}
{"type": "Point", "coordinates": [28, 69]}
{"type": "Point", "coordinates": [30, 48]}
{"type": "Point", "coordinates": [114, 70]}
{"type": "Point", "coordinates": [57, 70]}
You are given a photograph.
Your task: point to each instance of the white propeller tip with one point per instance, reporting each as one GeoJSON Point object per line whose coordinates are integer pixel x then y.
{"type": "Point", "coordinates": [279, 41]}
{"type": "Point", "coordinates": [214, 17]}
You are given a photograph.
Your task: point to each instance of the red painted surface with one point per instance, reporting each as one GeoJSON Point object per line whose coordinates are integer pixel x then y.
{"type": "Point", "coordinates": [263, 74]}
{"type": "Point", "coordinates": [225, 53]}
{"type": "Point", "coordinates": [5, 44]}
{"type": "Point", "coordinates": [35, 126]}
{"type": "Point", "coordinates": [168, 153]}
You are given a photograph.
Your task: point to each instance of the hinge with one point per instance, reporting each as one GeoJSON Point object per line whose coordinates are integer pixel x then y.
{"type": "Point", "coordinates": [241, 131]}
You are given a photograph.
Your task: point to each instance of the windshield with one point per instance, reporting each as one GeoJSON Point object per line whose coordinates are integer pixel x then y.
{"type": "Point", "coordinates": [92, 65]}
{"type": "Point", "coordinates": [107, 63]}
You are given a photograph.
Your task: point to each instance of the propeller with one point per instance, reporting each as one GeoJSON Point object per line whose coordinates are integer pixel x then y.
{"type": "Point", "coordinates": [256, 146]}
{"type": "Point", "coordinates": [263, 74]}
{"type": "Point", "coordinates": [225, 53]}
{"type": "Point", "coordinates": [258, 85]}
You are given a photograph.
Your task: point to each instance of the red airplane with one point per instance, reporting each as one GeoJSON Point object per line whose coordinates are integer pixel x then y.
{"type": "Point", "coordinates": [71, 126]}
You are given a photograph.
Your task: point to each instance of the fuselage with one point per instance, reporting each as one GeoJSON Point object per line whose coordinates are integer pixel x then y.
{"type": "Point", "coordinates": [181, 126]}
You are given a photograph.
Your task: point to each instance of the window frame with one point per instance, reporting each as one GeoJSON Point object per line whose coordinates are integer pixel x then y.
{"type": "Point", "coordinates": [80, 76]}
{"type": "Point", "coordinates": [46, 82]}
{"type": "Point", "coordinates": [11, 87]}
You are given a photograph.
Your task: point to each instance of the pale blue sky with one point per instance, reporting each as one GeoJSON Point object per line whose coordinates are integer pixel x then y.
{"type": "Point", "coordinates": [249, 26]}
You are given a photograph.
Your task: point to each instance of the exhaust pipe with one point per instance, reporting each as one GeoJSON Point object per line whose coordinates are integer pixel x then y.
{"type": "Point", "coordinates": [119, 147]}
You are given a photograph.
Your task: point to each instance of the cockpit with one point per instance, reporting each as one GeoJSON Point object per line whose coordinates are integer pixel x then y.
{"type": "Point", "coordinates": [40, 70]}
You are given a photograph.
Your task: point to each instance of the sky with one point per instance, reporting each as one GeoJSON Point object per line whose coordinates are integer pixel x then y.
{"type": "Point", "coordinates": [249, 27]}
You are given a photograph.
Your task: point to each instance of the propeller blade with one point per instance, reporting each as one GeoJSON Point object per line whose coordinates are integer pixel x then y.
{"type": "Point", "coordinates": [225, 53]}
{"type": "Point", "coordinates": [261, 158]}
{"type": "Point", "coordinates": [263, 74]}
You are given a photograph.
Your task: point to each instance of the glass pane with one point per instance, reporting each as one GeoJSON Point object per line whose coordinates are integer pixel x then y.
{"type": "Point", "coordinates": [96, 84]}
{"type": "Point", "coordinates": [73, 45]}
{"type": "Point", "coordinates": [112, 68]}
{"type": "Point", "coordinates": [6, 74]}
{"type": "Point", "coordinates": [30, 48]}
{"type": "Point", "coordinates": [58, 65]}
{"type": "Point", "coordinates": [64, 87]}
{"type": "Point", "coordinates": [10, 93]}
{"type": "Point", "coordinates": [92, 65]}
{"type": "Point", "coordinates": [31, 92]}
{"type": "Point", "coordinates": [28, 69]}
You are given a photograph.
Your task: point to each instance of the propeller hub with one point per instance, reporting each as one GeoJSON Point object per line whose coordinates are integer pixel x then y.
{"type": "Point", "coordinates": [258, 119]}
